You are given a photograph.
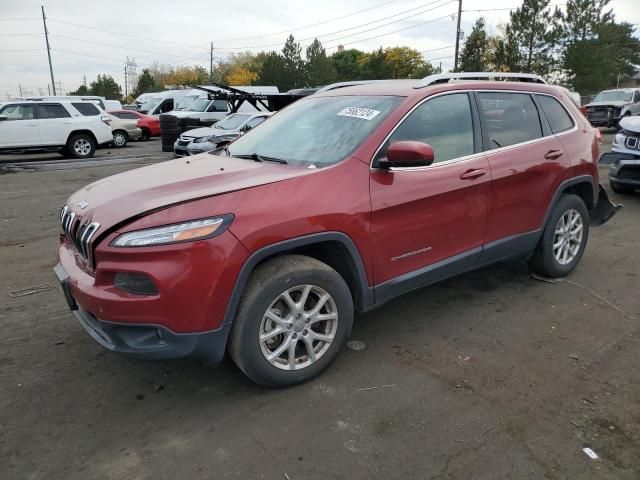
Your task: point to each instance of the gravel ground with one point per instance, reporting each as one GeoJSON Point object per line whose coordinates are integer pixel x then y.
{"type": "Point", "coordinates": [491, 375]}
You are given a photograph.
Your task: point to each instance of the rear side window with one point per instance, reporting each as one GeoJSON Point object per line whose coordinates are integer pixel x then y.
{"type": "Point", "coordinates": [559, 119]}
{"type": "Point", "coordinates": [86, 109]}
{"type": "Point", "coordinates": [509, 118]}
{"type": "Point", "coordinates": [443, 122]}
{"type": "Point", "coordinates": [125, 116]}
{"type": "Point", "coordinates": [54, 110]}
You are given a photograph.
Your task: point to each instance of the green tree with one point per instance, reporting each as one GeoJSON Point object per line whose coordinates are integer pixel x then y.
{"type": "Point", "coordinates": [537, 31]}
{"type": "Point", "coordinates": [407, 62]}
{"type": "Point", "coordinates": [504, 52]}
{"type": "Point", "coordinates": [146, 83]}
{"type": "Point", "coordinates": [106, 86]}
{"type": "Point", "coordinates": [374, 66]}
{"type": "Point", "coordinates": [319, 69]}
{"type": "Point", "coordinates": [293, 64]}
{"type": "Point", "coordinates": [273, 72]}
{"type": "Point", "coordinates": [583, 18]}
{"type": "Point", "coordinates": [82, 90]}
{"type": "Point", "coordinates": [347, 65]}
{"type": "Point", "coordinates": [475, 53]}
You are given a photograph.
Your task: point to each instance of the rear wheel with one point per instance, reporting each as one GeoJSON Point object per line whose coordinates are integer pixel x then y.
{"type": "Point", "coordinates": [120, 138]}
{"type": "Point", "coordinates": [563, 240]}
{"type": "Point", "coordinates": [81, 145]}
{"type": "Point", "coordinates": [293, 320]}
{"type": "Point", "coordinates": [146, 135]}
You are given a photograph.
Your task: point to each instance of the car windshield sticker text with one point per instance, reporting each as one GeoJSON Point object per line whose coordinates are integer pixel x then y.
{"type": "Point", "coordinates": [358, 112]}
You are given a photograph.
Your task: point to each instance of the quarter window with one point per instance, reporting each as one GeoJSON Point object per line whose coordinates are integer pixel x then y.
{"type": "Point", "coordinates": [559, 119]}
{"type": "Point", "coordinates": [443, 122]}
{"type": "Point", "coordinates": [86, 109]}
{"type": "Point", "coordinates": [509, 118]}
{"type": "Point", "coordinates": [18, 112]}
{"type": "Point", "coordinates": [52, 111]}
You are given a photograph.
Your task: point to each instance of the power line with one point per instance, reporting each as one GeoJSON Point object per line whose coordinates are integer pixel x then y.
{"type": "Point", "coordinates": [508, 8]}
{"type": "Point", "coordinates": [23, 50]}
{"type": "Point", "coordinates": [352, 28]}
{"type": "Point", "coordinates": [436, 49]}
{"type": "Point", "coordinates": [116, 46]}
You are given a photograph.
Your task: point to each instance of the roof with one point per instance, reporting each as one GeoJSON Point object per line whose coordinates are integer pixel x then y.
{"type": "Point", "coordinates": [405, 88]}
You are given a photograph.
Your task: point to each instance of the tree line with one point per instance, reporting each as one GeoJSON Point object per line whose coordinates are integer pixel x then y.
{"type": "Point", "coordinates": [584, 48]}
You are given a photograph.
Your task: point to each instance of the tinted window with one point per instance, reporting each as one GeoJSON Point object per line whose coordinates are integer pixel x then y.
{"type": "Point", "coordinates": [443, 122]}
{"type": "Point", "coordinates": [125, 116]}
{"type": "Point", "coordinates": [52, 111]}
{"type": "Point", "coordinates": [86, 109]}
{"type": "Point", "coordinates": [509, 118]}
{"type": "Point", "coordinates": [636, 97]}
{"type": "Point", "coordinates": [558, 117]}
{"type": "Point", "coordinates": [254, 122]}
{"type": "Point", "coordinates": [18, 112]}
{"type": "Point", "coordinates": [218, 106]}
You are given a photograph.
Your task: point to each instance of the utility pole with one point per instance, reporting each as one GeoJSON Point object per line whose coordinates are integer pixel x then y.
{"type": "Point", "coordinates": [126, 93]}
{"type": "Point", "coordinates": [46, 37]}
{"type": "Point", "coordinates": [20, 88]}
{"type": "Point", "coordinates": [84, 81]}
{"type": "Point", "coordinates": [211, 64]}
{"type": "Point", "coordinates": [455, 62]}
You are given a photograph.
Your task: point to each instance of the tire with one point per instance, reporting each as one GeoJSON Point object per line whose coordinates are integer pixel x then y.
{"type": "Point", "coordinates": [560, 261]}
{"type": "Point", "coordinates": [146, 135]}
{"type": "Point", "coordinates": [120, 138]}
{"type": "Point", "coordinates": [620, 188]}
{"type": "Point", "coordinates": [81, 146]}
{"type": "Point", "coordinates": [264, 292]}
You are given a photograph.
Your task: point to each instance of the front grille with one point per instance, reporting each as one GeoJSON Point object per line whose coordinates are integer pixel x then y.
{"type": "Point", "coordinates": [632, 143]}
{"type": "Point", "coordinates": [80, 234]}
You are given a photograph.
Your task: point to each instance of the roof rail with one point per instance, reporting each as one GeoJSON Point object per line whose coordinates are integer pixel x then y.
{"type": "Point", "coordinates": [504, 76]}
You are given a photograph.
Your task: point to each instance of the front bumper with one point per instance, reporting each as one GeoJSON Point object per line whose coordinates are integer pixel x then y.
{"type": "Point", "coordinates": [624, 168]}
{"type": "Point", "coordinates": [146, 341]}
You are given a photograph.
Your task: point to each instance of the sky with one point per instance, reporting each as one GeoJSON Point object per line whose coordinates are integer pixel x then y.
{"type": "Point", "coordinates": [88, 38]}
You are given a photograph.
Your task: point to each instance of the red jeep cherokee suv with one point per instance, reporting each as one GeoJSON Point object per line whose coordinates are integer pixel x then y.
{"type": "Point", "coordinates": [336, 204]}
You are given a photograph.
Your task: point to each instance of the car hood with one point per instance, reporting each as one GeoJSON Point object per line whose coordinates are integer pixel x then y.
{"type": "Point", "coordinates": [200, 132]}
{"type": "Point", "coordinates": [114, 199]}
{"type": "Point", "coordinates": [631, 124]}
{"type": "Point", "coordinates": [607, 104]}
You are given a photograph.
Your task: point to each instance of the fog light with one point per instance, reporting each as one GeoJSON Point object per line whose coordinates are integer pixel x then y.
{"type": "Point", "coordinates": [136, 283]}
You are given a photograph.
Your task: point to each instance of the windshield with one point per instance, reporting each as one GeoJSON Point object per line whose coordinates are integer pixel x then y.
{"type": "Point", "coordinates": [150, 104]}
{"type": "Point", "coordinates": [232, 122]}
{"type": "Point", "coordinates": [186, 103]}
{"type": "Point", "coordinates": [319, 131]}
{"type": "Point", "coordinates": [613, 96]}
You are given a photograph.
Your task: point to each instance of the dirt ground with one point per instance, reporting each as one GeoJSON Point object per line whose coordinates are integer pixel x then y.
{"type": "Point", "coordinates": [491, 375]}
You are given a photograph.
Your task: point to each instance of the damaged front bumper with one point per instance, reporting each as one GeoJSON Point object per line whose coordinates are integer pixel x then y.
{"type": "Point", "coordinates": [603, 210]}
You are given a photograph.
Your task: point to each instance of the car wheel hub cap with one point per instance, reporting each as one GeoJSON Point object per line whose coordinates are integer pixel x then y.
{"type": "Point", "coordinates": [82, 147]}
{"type": "Point", "coordinates": [567, 237]}
{"type": "Point", "coordinates": [298, 327]}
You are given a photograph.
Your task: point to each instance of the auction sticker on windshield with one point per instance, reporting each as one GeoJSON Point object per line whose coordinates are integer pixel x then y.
{"type": "Point", "coordinates": [358, 112]}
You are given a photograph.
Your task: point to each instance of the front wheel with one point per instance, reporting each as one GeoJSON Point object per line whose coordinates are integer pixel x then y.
{"type": "Point", "coordinates": [120, 139]}
{"type": "Point", "coordinates": [293, 320]}
{"type": "Point", "coordinates": [563, 240]}
{"type": "Point", "coordinates": [81, 146]}
{"type": "Point", "coordinates": [146, 135]}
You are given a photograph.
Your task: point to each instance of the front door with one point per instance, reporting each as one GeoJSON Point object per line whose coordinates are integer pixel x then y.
{"type": "Point", "coordinates": [20, 127]}
{"type": "Point", "coordinates": [429, 222]}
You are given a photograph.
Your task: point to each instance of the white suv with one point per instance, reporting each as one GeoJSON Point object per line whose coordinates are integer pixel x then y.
{"type": "Point", "coordinates": [71, 127]}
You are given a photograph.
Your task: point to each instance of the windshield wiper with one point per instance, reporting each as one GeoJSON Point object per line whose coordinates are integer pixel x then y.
{"type": "Point", "coordinates": [261, 158]}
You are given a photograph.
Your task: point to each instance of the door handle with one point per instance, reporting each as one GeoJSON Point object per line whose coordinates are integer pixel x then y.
{"type": "Point", "coordinates": [553, 154]}
{"type": "Point", "coordinates": [473, 174]}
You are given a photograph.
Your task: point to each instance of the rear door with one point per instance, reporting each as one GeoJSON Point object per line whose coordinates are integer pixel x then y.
{"type": "Point", "coordinates": [20, 128]}
{"type": "Point", "coordinates": [55, 124]}
{"type": "Point", "coordinates": [526, 161]}
{"type": "Point", "coordinates": [429, 222]}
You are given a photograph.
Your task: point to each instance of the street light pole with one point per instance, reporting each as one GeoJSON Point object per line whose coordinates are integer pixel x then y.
{"type": "Point", "coordinates": [46, 37]}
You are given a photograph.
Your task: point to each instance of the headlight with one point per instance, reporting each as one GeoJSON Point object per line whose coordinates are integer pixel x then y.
{"type": "Point", "coordinates": [179, 232]}
{"type": "Point", "coordinates": [201, 139]}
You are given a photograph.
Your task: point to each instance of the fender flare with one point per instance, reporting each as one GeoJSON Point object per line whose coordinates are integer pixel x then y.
{"type": "Point", "coordinates": [259, 255]}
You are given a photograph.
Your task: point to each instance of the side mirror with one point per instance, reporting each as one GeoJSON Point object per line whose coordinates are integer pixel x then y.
{"type": "Point", "coordinates": [409, 154]}
{"type": "Point", "coordinates": [3, 117]}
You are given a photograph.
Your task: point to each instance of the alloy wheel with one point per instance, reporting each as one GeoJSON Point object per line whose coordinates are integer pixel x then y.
{"type": "Point", "coordinates": [567, 237]}
{"type": "Point", "coordinates": [298, 327]}
{"type": "Point", "coordinates": [82, 147]}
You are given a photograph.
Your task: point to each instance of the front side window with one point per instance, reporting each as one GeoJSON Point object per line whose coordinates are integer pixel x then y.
{"type": "Point", "coordinates": [318, 131]}
{"type": "Point", "coordinates": [52, 111]}
{"type": "Point", "coordinates": [218, 106]}
{"type": "Point", "coordinates": [444, 122]}
{"type": "Point", "coordinates": [509, 118]}
{"type": "Point", "coordinates": [18, 112]}
{"type": "Point", "coordinates": [559, 119]}
{"type": "Point", "coordinates": [636, 97]}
